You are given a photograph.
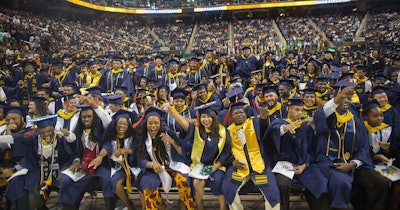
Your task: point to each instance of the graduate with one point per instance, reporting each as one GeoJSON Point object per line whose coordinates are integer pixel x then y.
{"type": "Point", "coordinates": [118, 149]}
{"type": "Point", "coordinates": [160, 158]}
{"type": "Point", "coordinates": [174, 78]}
{"type": "Point", "coordinates": [391, 115]}
{"type": "Point", "coordinates": [323, 92]}
{"type": "Point", "coordinates": [116, 76]}
{"type": "Point", "coordinates": [122, 90]}
{"type": "Point", "coordinates": [90, 127]}
{"type": "Point", "coordinates": [291, 139]}
{"type": "Point", "coordinates": [210, 64]}
{"type": "Point", "coordinates": [206, 135]}
{"type": "Point", "coordinates": [246, 62]}
{"type": "Point", "coordinates": [195, 74]}
{"type": "Point", "coordinates": [202, 96]}
{"type": "Point", "coordinates": [311, 103]}
{"type": "Point", "coordinates": [46, 155]}
{"type": "Point", "coordinates": [36, 108]}
{"type": "Point", "coordinates": [93, 75]}
{"type": "Point", "coordinates": [248, 160]}
{"type": "Point", "coordinates": [30, 82]}
{"type": "Point", "coordinates": [68, 117]}
{"type": "Point", "coordinates": [163, 95]}
{"type": "Point", "coordinates": [343, 155]}
{"type": "Point", "coordinates": [179, 105]}
{"type": "Point", "coordinates": [274, 107]}
{"type": "Point", "coordinates": [285, 90]}
{"type": "Point", "coordinates": [157, 71]}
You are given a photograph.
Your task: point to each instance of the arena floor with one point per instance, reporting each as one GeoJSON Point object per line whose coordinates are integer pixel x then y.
{"type": "Point", "coordinates": [250, 202]}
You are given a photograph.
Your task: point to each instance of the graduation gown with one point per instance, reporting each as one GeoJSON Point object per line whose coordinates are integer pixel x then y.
{"type": "Point", "coordinates": [356, 148]}
{"type": "Point", "coordinates": [195, 77]}
{"type": "Point", "coordinates": [270, 190]}
{"type": "Point", "coordinates": [295, 148]}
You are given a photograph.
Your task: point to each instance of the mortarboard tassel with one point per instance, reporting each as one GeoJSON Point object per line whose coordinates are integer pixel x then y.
{"type": "Point", "coordinates": [227, 117]}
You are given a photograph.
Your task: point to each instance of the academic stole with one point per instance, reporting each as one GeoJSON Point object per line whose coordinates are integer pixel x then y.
{"type": "Point", "coordinates": [198, 146]}
{"type": "Point", "coordinates": [223, 69]}
{"type": "Point", "coordinates": [209, 94]}
{"type": "Point", "coordinates": [44, 184]}
{"type": "Point", "coordinates": [118, 74]}
{"type": "Point", "coordinates": [340, 145]}
{"type": "Point", "coordinates": [184, 112]}
{"type": "Point", "coordinates": [377, 134]}
{"type": "Point", "coordinates": [126, 167]}
{"type": "Point", "coordinates": [254, 153]}
{"type": "Point", "coordinates": [386, 107]}
{"type": "Point", "coordinates": [1, 80]}
{"type": "Point", "coordinates": [93, 79]}
{"type": "Point", "coordinates": [278, 107]}
{"type": "Point", "coordinates": [33, 86]}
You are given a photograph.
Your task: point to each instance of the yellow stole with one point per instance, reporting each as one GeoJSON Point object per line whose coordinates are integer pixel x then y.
{"type": "Point", "coordinates": [276, 108]}
{"type": "Point", "coordinates": [66, 116]}
{"type": "Point", "coordinates": [93, 79]}
{"type": "Point", "coordinates": [319, 95]}
{"type": "Point", "coordinates": [309, 107]}
{"type": "Point", "coordinates": [184, 108]}
{"type": "Point", "coordinates": [253, 148]}
{"type": "Point", "coordinates": [117, 71]}
{"type": "Point", "coordinates": [172, 76]}
{"type": "Point", "coordinates": [125, 164]}
{"type": "Point", "coordinates": [375, 129]}
{"type": "Point", "coordinates": [159, 68]}
{"type": "Point", "coordinates": [209, 94]}
{"type": "Point", "coordinates": [292, 122]}
{"type": "Point", "coordinates": [248, 90]}
{"type": "Point", "coordinates": [386, 107]}
{"type": "Point", "coordinates": [261, 100]}
{"type": "Point", "coordinates": [361, 80]}
{"type": "Point", "coordinates": [355, 98]}
{"type": "Point", "coordinates": [2, 122]}
{"type": "Point", "coordinates": [68, 68]}
{"type": "Point", "coordinates": [198, 146]}
{"type": "Point", "coordinates": [244, 58]}
{"type": "Point", "coordinates": [341, 120]}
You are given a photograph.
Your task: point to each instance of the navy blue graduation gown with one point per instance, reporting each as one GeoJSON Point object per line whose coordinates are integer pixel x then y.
{"type": "Point", "coordinates": [216, 107]}
{"type": "Point", "coordinates": [295, 148]}
{"type": "Point", "coordinates": [197, 76]}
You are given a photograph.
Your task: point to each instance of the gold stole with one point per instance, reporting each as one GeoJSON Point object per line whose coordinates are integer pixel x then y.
{"type": "Point", "coordinates": [117, 71]}
{"type": "Point", "coordinates": [248, 90]}
{"type": "Point", "coordinates": [198, 146]}
{"type": "Point", "coordinates": [125, 166]}
{"type": "Point", "coordinates": [375, 129]}
{"type": "Point", "coordinates": [320, 95]}
{"type": "Point", "coordinates": [276, 108]}
{"type": "Point", "coordinates": [253, 148]}
{"type": "Point", "coordinates": [386, 107]}
{"type": "Point", "coordinates": [93, 79]}
{"type": "Point", "coordinates": [66, 116]}
{"type": "Point", "coordinates": [343, 119]}
{"type": "Point", "coordinates": [209, 94]}
{"type": "Point", "coordinates": [292, 122]}
{"type": "Point", "coordinates": [183, 109]}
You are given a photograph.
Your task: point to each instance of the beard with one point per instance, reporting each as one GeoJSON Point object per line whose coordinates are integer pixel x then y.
{"type": "Point", "coordinates": [18, 128]}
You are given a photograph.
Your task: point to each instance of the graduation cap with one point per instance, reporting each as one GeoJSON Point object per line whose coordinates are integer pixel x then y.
{"type": "Point", "coordinates": [205, 108]}
{"type": "Point", "coordinates": [96, 90]}
{"type": "Point", "coordinates": [69, 84]}
{"type": "Point", "coordinates": [144, 78]}
{"type": "Point", "coordinates": [346, 75]}
{"type": "Point", "coordinates": [144, 60]}
{"type": "Point", "coordinates": [67, 55]}
{"type": "Point", "coordinates": [293, 77]}
{"type": "Point", "coordinates": [179, 93]}
{"type": "Point", "coordinates": [82, 62]}
{"type": "Point", "coordinates": [117, 58]}
{"type": "Point", "coordinates": [380, 76]}
{"type": "Point", "coordinates": [173, 62]}
{"type": "Point", "coordinates": [151, 82]}
{"type": "Point", "coordinates": [20, 110]}
{"type": "Point", "coordinates": [221, 54]}
{"type": "Point", "coordinates": [165, 87]}
{"type": "Point", "coordinates": [316, 61]}
{"type": "Point", "coordinates": [322, 79]}
{"type": "Point", "coordinates": [269, 89]}
{"type": "Point", "coordinates": [122, 88]}
{"type": "Point", "coordinates": [115, 99]}
{"type": "Point", "coordinates": [141, 90]}
{"type": "Point", "coordinates": [361, 68]}
{"type": "Point", "coordinates": [199, 87]}
{"type": "Point", "coordinates": [246, 48]}
{"type": "Point", "coordinates": [286, 82]}
{"type": "Point", "coordinates": [158, 57]}
{"type": "Point", "coordinates": [269, 53]}
{"type": "Point", "coordinates": [83, 106]}
{"type": "Point", "coordinates": [45, 121]}
{"type": "Point", "coordinates": [256, 71]}
{"type": "Point", "coordinates": [235, 92]}
{"type": "Point", "coordinates": [294, 52]}
{"type": "Point", "coordinates": [291, 66]}
{"type": "Point", "coordinates": [342, 84]}
{"type": "Point", "coordinates": [295, 101]}
{"type": "Point", "coordinates": [153, 111]}
{"type": "Point", "coordinates": [275, 70]}
{"type": "Point", "coordinates": [380, 89]}
{"type": "Point", "coordinates": [69, 96]}
{"type": "Point", "coordinates": [309, 91]}
{"type": "Point", "coordinates": [238, 105]}
{"type": "Point", "coordinates": [38, 99]}
{"type": "Point", "coordinates": [190, 85]}
{"type": "Point", "coordinates": [41, 88]}
{"type": "Point", "coordinates": [57, 63]}
{"type": "Point", "coordinates": [261, 85]}
{"type": "Point", "coordinates": [92, 63]}
{"type": "Point", "coordinates": [132, 57]}
{"type": "Point", "coordinates": [29, 63]}
{"type": "Point", "coordinates": [194, 59]}
{"type": "Point", "coordinates": [208, 50]}
{"type": "Point", "coordinates": [123, 114]}
{"type": "Point", "coordinates": [366, 107]}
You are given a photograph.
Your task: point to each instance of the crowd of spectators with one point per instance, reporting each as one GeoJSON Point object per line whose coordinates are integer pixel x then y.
{"type": "Point", "coordinates": [383, 27]}
{"type": "Point", "coordinates": [339, 28]}
{"type": "Point", "coordinates": [300, 35]}
{"type": "Point", "coordinates": [257, 33]}
{"type": "Point", "coordinates": [174, 36]}
{"type": "Point", "coordinates": [213, 36]}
